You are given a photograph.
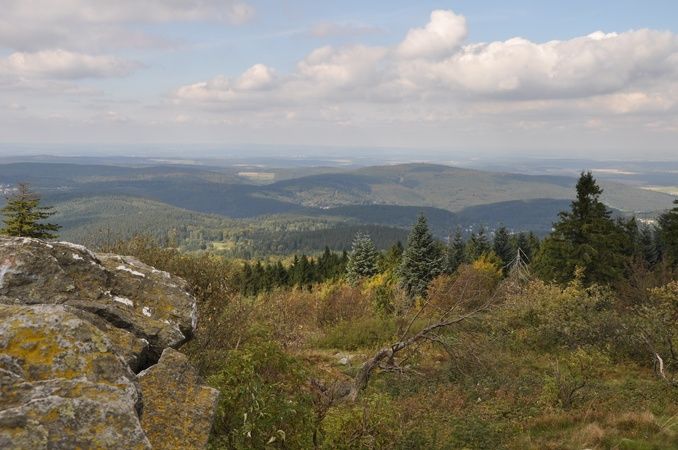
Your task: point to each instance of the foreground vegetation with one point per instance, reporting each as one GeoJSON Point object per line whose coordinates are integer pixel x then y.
{"type": "Point", "coordinates": [565, 353]}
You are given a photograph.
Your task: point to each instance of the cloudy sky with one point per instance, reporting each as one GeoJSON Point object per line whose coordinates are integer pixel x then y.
{"type": "Point", "coordinates": [552, 78]}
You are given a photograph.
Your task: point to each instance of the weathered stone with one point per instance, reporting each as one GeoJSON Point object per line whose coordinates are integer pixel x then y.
{"type": "Point", "coordinates": [74, 329]}
{"type": "Point", "coordinates": [178, 410]}
{"type": "Point", "coordinates": [66, 387]}
{"type": "Point", "coordinates": [128, 294]}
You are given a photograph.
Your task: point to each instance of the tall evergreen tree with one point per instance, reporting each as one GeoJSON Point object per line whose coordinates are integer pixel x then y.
{"type": "Point", "coordinates": [456, 252]}
{"type": "Point", "coordinates": [503, 248]}
{"type": "Point", "coordinates": [649, 246]}
{"type": "Point", "coordinates": [668, 232]}
{"type": "Point", "coordinates": [422, 260]}
{"type": "Point", "coordinates": [528, 244]}
{"type": "Point", "coordinates": [24, 215]}
{"type": "Point", "coordinates": [363, 258]}
{"type": "Point", "coordinates": [478, 245]}
{"type": "Point", "coordinates": [584, 238]}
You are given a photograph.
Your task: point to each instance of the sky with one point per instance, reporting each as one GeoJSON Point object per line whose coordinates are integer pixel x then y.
{"type": "Point", "coordinates": [545, 78]}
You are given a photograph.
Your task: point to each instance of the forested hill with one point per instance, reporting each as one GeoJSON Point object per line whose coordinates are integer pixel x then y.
{"type": "Point", "coordinates": [238, 208]}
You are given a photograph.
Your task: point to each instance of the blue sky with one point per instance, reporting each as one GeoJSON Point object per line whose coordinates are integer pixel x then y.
{"type": "Point", "coordinates": [496, 77]}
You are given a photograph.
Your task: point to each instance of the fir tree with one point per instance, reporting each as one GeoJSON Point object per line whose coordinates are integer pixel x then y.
{"type": "Point", "coordinates": [362, 260]}
{"type": "Point", "coordinates": [585, 240]}
{"type": "Point", "coordinates": [422, 260]}
{"type": "Point", "coordinates": [23, 216]}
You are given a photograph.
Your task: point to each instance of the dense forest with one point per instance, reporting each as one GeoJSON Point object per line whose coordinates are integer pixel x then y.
{"type": "Point", "coordinates": [489, 339]}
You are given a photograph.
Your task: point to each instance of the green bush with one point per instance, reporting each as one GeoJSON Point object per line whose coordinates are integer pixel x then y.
{"type": "Point", "coordinates": [264, 401]}
{"type": "Point", "coordinates": [373, 423]}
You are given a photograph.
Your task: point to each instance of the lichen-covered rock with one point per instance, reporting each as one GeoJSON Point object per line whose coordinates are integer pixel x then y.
{"type": "Point", "coordinates": [63, 385]}
{"type": "Point", "coordinates": [178, 410]}
{"type": "Point", "coordinates": [125, 292]}
{"type": "Point", "coordinates": [75, 327]}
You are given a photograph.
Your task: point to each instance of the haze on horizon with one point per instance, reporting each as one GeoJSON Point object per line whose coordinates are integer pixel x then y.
{"type": "Point", "coordinates": [522, 77]}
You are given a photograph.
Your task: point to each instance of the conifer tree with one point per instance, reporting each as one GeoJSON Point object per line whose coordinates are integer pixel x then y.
{"type": "Point", "coordinates": [362, 260]}
{"type": "Point", "coordinates": [391, 259]}
{"type": "Point", "coordinates": [456, 252]}
{"type": "Point", "coordinates": [24, 216]}
{"type": "Point", "coordinates": [422, 261]}
{"type": "Point", "coordinates": [649, 246]}
{"type": "Point", "coordinates": [502, 247]}
{"type": "Point", "coordinates": [585, 240]}
{"type": "Point", "coordinates": [668, 232]}
{"type": "Point", "coordinates": [478, 245]}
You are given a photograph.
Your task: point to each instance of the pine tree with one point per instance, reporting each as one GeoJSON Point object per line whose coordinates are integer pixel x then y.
{"type": "Point", "coordinates": [23, 216]}
{"type": "Point", "coordinates": [585, 240]}
{"type": "Point", "coordinates": [422, 261]}
{"type": "Point", "coordinates": [668, 232]}
{"type": "Point", "coordinates": [456, 252]}
{"type": "Point", "coordinates": [362, 260]}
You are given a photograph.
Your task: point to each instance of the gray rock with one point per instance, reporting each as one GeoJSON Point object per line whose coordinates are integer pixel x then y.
{"type": "Point", "coordinates": [75, 327]}
{"type": "Point", "coordinates": [128, 294]}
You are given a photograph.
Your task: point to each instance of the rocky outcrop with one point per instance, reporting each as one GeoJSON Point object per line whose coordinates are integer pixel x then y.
{"type": "Point", "coordinates": [75, 329]}
{"type": "Point", "coordinates": [179, 410]}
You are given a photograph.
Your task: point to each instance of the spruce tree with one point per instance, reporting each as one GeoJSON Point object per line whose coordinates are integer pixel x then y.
{"type": "Point", "coordinates": [24, 216]}
{"type": "Point", "coordinates": [503, 248]}
{"type": "Point", "coordinates": [523, 244]}
{"type": "Point", "coordinates": [363, 258]}
{"type": "Point", "coordinates": [585, 238]}
{"type": "Point", "coordinates": [422, 261]}
{"type": "Point", "coordinates": [668, 233]}
{"type": "Point", "coordinates": [478, 245]}
{"type": "Point", "coordinates": [649, 246]}
{"type": "Point", "coordinates": [456, 252]}
{"type": "Point", "coordinates": [391, 259]}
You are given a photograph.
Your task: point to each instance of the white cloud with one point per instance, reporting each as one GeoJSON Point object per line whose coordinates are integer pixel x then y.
{"type": "Point", "coordinates": [61, 64]}
{"type": "Point", "coordinates": [583, 66]}
{"type": "Point", "coordinates": [440, 37]}
{"type": "Point", "coordinates": [113, 11]}
{"type": "Point", "coordinates": [30, 25]}
{"type": "Point", "coordinates": [619, 73]}
{"type": "Point", "coordinates": [255, 78]}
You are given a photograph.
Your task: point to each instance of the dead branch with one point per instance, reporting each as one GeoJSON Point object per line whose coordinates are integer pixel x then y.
{"type": "Point", "coordinates": [388, 353]}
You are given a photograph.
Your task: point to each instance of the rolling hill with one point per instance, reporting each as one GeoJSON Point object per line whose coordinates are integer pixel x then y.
{"type": "Point", "coordinates": [243, 212]}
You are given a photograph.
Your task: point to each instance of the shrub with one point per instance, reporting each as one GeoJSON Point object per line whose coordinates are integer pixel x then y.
{"type": "Point", "coordinates": [570, 375]}
{"type": "Point", "coordinates": [339, 301]}
{"type": "Point", "coordinates": [264, 401]}
{"type": "Point", "coordinates": [373, 423]}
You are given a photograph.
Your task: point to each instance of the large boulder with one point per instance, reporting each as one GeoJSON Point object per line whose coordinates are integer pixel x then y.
{"type": "Point", "coordinates": [127, 293]}
{"type": "Point", "coordinates": [178, 410]}
{"type": "Point", "coordinates": [75, 329]}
